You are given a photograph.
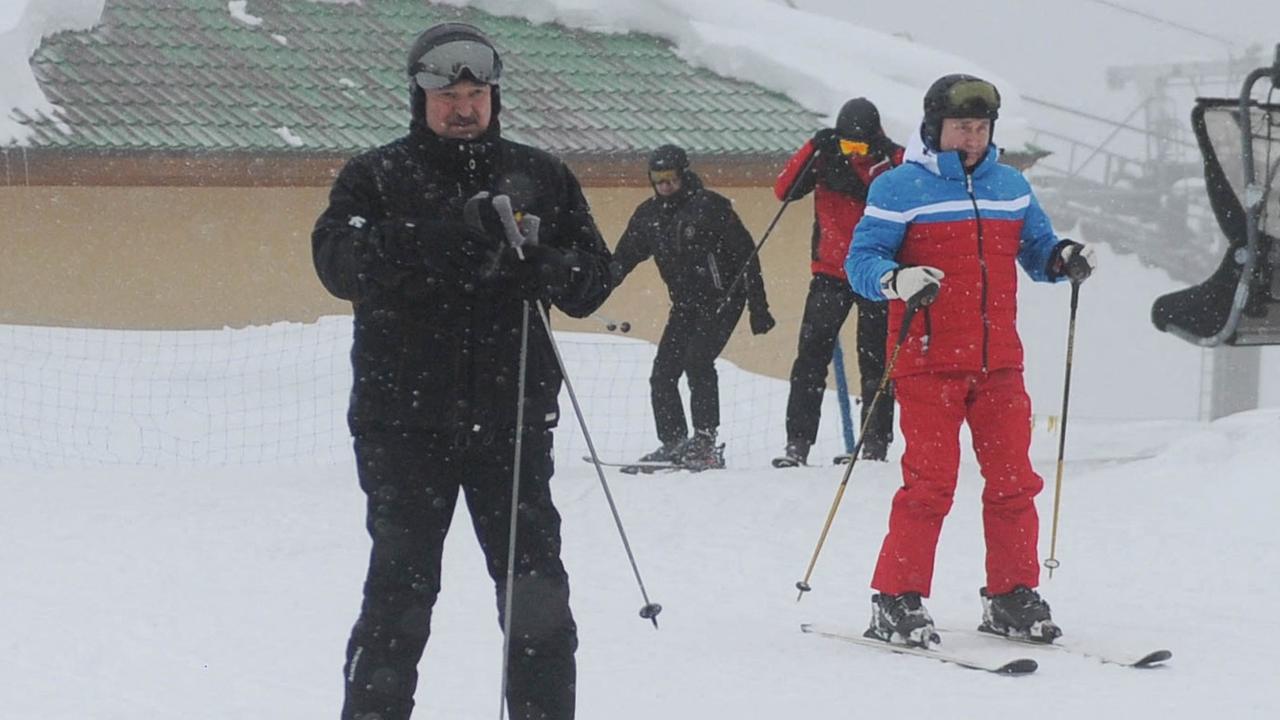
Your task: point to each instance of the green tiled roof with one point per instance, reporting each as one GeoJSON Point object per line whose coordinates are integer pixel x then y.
{"type": "Point", "coordinates": [183, 75]}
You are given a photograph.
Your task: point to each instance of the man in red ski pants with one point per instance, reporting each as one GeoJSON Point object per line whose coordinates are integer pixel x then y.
{"type": "Point", "coordinates": [954, 221]}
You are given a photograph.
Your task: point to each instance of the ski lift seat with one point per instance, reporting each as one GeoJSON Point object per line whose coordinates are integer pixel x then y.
{"type": "Point", "coordinates": [1228, 308]}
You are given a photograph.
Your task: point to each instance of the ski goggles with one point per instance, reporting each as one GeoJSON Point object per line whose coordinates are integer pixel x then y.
{"type": "Point", "coordinates": [853, 147]}
{"type": "Point", "coordinates": [973, 98]}
{"type": "Point", "coordinates": [661, 176]}
{"type": "Point", "coordinates": [446, 64]}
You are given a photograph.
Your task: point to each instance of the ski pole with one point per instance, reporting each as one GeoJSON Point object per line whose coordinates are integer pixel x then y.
{"type": "Point", "coordinates": [1052, 562]}
{"type": "Point", "coordinates": [764, 238]}
{"type": "Point", "coordinates": [518, 237]}
{"type": "Point", "coordinates": [650, 609]}
{"type": "Point", "coordinates": [920, 299]}
{"type": "Point", "coordinates": [842, 394]}
{"type": "Point", "coordinates": [509, 600]}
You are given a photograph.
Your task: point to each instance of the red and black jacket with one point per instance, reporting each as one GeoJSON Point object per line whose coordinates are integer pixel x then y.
{"type": "Point", "coordinates": [839, 187]}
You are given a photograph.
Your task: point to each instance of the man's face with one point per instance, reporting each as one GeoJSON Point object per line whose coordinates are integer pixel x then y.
{"type": "Point", "coordinates": [460, 111]}
{"type": "Point", "coordinates": [968, 135]}
{"type": "Point", "coordinates": [665, 182]}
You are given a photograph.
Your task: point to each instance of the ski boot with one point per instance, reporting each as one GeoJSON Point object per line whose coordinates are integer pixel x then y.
{"type": "Point", "coordinates": [701, 452]}
{"type": "Point", "coordinates": [667, 453]}
{"type": "Point", "coordinates": [1020, 614]}
{"type": "Point", "coordinates": [796, 454]}
{"type": "Point", "coordinates": [902, 620]}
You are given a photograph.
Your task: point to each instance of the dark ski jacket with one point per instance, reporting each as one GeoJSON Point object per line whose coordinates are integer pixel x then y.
{"type": "Point", "coordinates": [427, 357]}
{"type": "Point", "coordinates": [699, 245]}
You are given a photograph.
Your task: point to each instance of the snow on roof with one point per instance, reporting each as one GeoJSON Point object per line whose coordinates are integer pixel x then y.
{"type": "Point", "coordinates": [817, 61]}
{"type": "Point", "coordinates": [23, 24]}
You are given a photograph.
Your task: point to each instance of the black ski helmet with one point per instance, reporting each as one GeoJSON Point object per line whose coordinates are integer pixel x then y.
{"type": "Point", "coordinates": [668, 157]}
{"type": "Point", "coordinates": [859, 120]}
{"type": "Point", "coordinates": [957, 96]}
{"type": "Point", "coordinates": [441, 34]}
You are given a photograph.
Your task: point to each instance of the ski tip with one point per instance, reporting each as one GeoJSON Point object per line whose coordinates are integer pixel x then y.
{"type": "Point", "coordinates": [1153, 659]}
{"type": "Point", "coordinates": [1021, 666]}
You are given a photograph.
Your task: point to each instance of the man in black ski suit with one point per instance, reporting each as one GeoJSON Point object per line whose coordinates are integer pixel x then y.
{"type": "Point", "coordinates": [419, 237]}
{"type": "Point", "coordinates": [707, 260]}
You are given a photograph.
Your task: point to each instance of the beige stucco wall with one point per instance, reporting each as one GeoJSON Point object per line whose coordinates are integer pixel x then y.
{"type": "Point", "coordinates": [184, 258]}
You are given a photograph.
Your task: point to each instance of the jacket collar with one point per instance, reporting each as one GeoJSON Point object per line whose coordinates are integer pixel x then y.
{"type": "Point", "coordinates": [946, 165]}
{"type": "Point", "coordinates": [471, 163]}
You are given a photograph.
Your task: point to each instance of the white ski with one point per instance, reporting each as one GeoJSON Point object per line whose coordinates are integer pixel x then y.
{"type": "Point", "coordinates": [1137, 660]}
{"type": "Point", "coordinates": [1017, 666]}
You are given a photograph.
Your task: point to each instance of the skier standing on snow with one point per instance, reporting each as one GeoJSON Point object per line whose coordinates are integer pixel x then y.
{"type": "Point", "coordinates": [849, 157]}
{"type": "Point", "coordinates": [700, 247]}
{"type": "Point", "coordinates": [953, 219]}
{"type": "Point", "coordinates": [423, 254]}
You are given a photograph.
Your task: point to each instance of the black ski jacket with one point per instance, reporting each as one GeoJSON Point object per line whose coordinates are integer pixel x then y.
{"type": "Point", "coordinates": [430, 357]}
{"type": "Point", "coordinates": [698, 243]}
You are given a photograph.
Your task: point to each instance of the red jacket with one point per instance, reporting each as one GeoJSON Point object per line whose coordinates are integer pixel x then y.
{"type": "Point", "coordinates": [839, 198]}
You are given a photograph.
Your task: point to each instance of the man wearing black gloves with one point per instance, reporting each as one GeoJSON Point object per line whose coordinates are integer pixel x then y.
{"type": "Point", "coordinates": [420, 236]}
{"type": "Point", "coordinates": [707, 260]}
{"type": "Point", "coordinates": [837, 165]}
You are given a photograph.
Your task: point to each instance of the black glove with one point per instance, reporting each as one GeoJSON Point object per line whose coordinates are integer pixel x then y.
{"type": "Point", "coordinates": [833, 168]}
{"type": "Point", "coordinates": [1076, 261]}
{"type": "Point", "coordinates": [761, 321]}
{"type": "Point", "coordinates": [481, 214]}
{"type": "Point", "coordinates": [543, 272]}
{"type": "Point", "coordinates": [827, 142]}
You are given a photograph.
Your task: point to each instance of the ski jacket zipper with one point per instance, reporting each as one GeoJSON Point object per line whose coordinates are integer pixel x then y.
{"type": "Point", "coordinates": [982, 265]}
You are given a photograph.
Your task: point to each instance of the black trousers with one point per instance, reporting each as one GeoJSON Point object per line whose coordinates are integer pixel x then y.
{"type": "Point", "coordinates": [412, 483]}
{"type": "Point", "coordinates": [825, 311]}
{"type": "Point", "coordinates": [690, 344]}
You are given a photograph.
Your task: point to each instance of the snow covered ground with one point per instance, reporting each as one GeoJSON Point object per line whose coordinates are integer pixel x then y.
{"type": "Point", "coordinates": [228, 593]}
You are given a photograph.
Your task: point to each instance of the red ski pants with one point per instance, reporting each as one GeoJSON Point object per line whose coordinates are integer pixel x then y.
{"type": "Point", "coordinates": [998, 411]}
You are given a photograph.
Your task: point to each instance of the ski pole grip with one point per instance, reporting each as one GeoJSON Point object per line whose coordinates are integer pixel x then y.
{"type": "Point", "coordinates": [926, 295]}
{"type": "Point", "coordinates": [1077, 269]}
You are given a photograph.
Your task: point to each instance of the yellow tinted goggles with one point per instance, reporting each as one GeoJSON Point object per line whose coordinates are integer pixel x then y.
{"type": "Point", "coordinates": [853, 147]}
{"type": "Point", "coordinates": [661, 176]}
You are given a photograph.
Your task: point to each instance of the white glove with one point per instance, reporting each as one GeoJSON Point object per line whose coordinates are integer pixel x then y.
{"type": "Point", "coordinates": [1078, 261]}
{"type": "Point", "coordinates": [909, 281]}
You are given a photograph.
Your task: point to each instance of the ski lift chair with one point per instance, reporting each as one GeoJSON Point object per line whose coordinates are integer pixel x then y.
{"type": "Point", "coordinates": [1240, 302]}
